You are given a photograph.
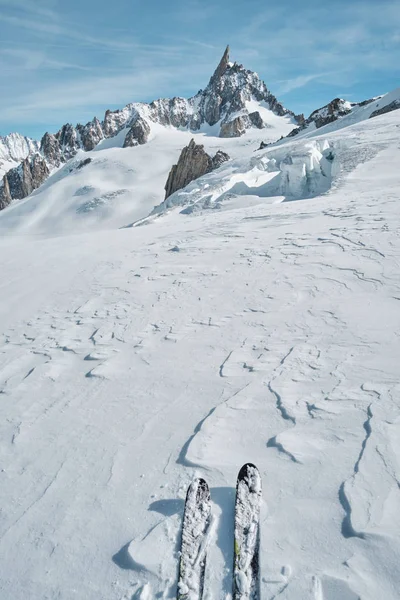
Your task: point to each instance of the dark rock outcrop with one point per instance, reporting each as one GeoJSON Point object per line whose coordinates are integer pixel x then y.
{"type": "Point", "coordinates": [5, 195]}
{"type": "Point", "coordinates": [222, 67]}
{"type": "Point", "coordinates": [327, 114]}
{"type": "Point", "coordinates": [84, 163]}
{"type": "Point", "coordinates": [193, 163]}
{"type": "Point", "coordinates": [15, 182]}
{"type": "Point", "coordinates": [256, 120]}
{"type": "Point", "coordinates": [234, 128]}
{"type": "Point", "coordinates": [240, 124]}
{"type": "Point", "coordinates": [68, 140]}
{"type": "Point", "coordinates": [91, 134]}
{"type": "Point", "coordinates": [386, 109]}
{"type": "Point", "coordinates": [26, 178]}
{"type": "Point", "coordinates": [50, 148]}
{"type": "Point", "coordinates": [138, 133]}
{"type": "Point", "coordinates": [219, 159]}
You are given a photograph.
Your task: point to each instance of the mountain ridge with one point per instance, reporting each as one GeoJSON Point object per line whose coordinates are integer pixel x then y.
{"type": "Point", "coordinates": [223, 101]}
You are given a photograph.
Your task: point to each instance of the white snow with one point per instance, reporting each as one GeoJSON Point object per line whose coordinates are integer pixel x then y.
{"type": "Point", "coordinates": [269, 335]}
{"type": "Point", "coordinates": [13, 149]}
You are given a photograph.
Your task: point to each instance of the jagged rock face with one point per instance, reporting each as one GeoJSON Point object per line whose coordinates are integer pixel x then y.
{"type": "Point", "coordinates": [193, 163]}
{"type": "Point", "coordinates": [332, 111]}
{"type": "Point", "coordinates": [230, 87]}
{"type": "Point", "coordinates": [68, 140]}
{"type": "Point", "coordinates": [256, 120]}
{"type": "Point", "coordinates": [91, 134]}
{"type": "Point", "coordinates": [234, 128]}
{"type": "Point", "coordinates": [138, 133]}
{"type": "Point", "coordinates": [327, 114]}
{"type": "Point", "coordinates": [50, 148]}
{"type": "Point", "coordinates": [385, 109]}
{"type": "Point", "coordinates": [5, 195]}
{"type": "Point", "coordinates": [219, 159]}
{"type": "Point", "coordinates": [14, 178]}
{"type": "Point", "coordinates": [238, 126]}
{"type": "Point", "coordinates": [28, 176]}
{"type": "Point", "coordinates": [116, 120]}
{"type": "Point", "coordinates": [39, 171]}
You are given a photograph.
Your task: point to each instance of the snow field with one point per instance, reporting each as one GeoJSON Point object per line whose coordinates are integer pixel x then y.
{"type": "Point", "coordinates": [269, 335]}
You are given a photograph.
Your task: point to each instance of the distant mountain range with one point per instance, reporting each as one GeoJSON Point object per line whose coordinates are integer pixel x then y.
{"type": "Point", "coordinates": [234, 101]}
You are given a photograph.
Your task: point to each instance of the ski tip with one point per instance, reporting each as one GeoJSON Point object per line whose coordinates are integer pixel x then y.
{"type": "Point", "coordinates": [199, 482]}
{"type": "Point", "coordinates": [198, 488]}
{"type": "Point", "coordinates": [244, 471]}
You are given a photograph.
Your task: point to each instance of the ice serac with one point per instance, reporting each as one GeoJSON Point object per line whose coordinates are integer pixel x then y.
{"type": "Point", "coordinates": [193, 163]}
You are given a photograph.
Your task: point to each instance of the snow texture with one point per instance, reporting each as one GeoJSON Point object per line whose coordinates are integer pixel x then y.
{"type": "Point", "coordinates": [195, 539]}
{"type": "Point", "coordinates": [272, 335]}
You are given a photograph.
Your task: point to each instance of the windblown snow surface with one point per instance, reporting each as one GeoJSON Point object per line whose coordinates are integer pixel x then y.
{"type": "Point", "coordinates": [249, 328]}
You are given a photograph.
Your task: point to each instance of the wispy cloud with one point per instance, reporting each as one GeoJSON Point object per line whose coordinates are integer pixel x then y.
{"type": "Point", "coordinates": [288, 85]}
{"type": "Point", "coordinates": [70, 32]}
{"type": "Point", "coordinates": [29, 59]}
{"type": "Point", "coordinates": [92, 92]}
{"type": "Point", "coordinates": [36, 7]}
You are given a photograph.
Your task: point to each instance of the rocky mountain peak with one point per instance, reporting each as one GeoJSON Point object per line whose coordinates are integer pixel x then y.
{"type": "Point", "coordinates": [231, 100]}
{"type": "Point", "coordinates": [193, 163]}
{"type": "Point", "coordinates": [223, 65]}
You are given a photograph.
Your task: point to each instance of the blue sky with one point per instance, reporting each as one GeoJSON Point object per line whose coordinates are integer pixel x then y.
{"type": "Point", "coordinates": [66, 61]}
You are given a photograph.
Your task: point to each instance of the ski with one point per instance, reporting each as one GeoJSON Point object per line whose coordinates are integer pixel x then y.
{"type": "Point", "coordinates": [246, 576]}
{"type": "Point", "coordinates": [195, 534]}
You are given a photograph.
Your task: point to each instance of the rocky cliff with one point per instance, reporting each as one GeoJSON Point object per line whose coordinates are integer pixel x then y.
{"type": "Point", "coordinates": [193, 163]}
{"type": "Point", "coordinates": [23, 180]}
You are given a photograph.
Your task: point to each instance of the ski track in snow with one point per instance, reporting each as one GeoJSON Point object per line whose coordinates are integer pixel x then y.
{"type": "Point", "coordinates": [127, 370]}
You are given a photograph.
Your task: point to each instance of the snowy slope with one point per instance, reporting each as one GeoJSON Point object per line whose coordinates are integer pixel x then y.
{"type": "Point", "coordinates": [358, 114]}
{"type": "Point", "coordinates": [119, 185]}
{"type": "Point", "coordinates": [269, 335]}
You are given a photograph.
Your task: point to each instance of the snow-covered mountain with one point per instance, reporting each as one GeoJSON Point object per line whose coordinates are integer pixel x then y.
{"type": "Point", "coordinates": [14, 148]}
{"type": "Point", "coordinates": [342, 113]}
{"type": "Point", "coordinates": [234, 100]}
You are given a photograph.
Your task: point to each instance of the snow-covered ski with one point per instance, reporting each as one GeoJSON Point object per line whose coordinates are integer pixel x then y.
{"type": "Point", "coordinates": [195, 534]}
{"type": "Point", "coordinates": [246, 582]}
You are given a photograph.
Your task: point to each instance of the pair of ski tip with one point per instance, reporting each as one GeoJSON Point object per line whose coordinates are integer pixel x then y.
{"type": "Point", "coordinates": [248, 474]}
{"type": "Point", "coordinates": [195, 529]}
